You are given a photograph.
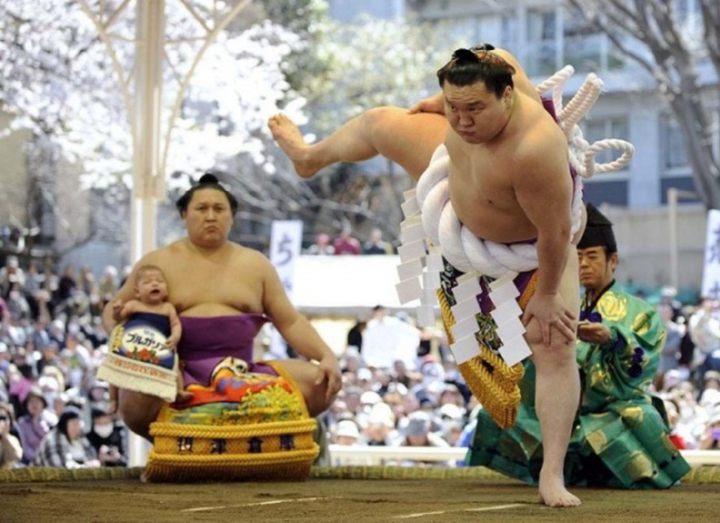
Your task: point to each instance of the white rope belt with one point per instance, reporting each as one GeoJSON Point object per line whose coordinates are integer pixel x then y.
{"type": "Point", "coordinates": [462, 248]}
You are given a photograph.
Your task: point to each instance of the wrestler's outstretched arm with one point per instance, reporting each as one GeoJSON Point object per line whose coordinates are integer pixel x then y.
{"type": "Point", "coordinates": [297, 331]}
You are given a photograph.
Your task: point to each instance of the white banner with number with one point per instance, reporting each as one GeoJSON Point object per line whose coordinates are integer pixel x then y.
{"type": "Point", "coordinates": [285, 243]}
{"type": "Point", "coordinates": [711, 270]}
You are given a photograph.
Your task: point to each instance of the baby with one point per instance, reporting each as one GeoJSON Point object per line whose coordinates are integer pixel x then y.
{"type": "Point", "coordinates": [151, 294]}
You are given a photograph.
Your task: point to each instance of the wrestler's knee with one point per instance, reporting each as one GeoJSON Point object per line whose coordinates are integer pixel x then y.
{"type": "Point", "coordinates": [138, 411]}
{"type": "Point", "coordinates": [307, 375]}
{"type": "Point", "coordinates": [559, 352]}
{"type": "Point", "coordinates": [374, 119]}
{"type": "Point", "coordinates": [316, 398]}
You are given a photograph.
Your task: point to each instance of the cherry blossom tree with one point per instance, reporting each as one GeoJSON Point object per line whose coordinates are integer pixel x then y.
{"type": "Point", "coordinates": [60, 85]}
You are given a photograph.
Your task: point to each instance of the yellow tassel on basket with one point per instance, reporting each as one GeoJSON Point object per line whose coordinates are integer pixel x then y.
{"type": "Point", "coordinates": [267, 436]}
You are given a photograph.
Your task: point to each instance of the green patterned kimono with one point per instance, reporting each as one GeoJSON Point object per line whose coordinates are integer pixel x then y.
{"type": "Point", "coordinates": [620, 438]}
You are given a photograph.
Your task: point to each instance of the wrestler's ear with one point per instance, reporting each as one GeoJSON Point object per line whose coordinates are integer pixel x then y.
{"type": "Point", "coordinates": [507, 96]}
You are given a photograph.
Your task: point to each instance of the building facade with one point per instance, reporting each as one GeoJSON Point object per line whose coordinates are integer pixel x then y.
{"type": "Point", "coordinates": [545, 36]}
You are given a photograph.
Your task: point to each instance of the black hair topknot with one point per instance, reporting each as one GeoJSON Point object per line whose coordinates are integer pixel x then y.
{"type": "Point", "coordinates": [206, 181]}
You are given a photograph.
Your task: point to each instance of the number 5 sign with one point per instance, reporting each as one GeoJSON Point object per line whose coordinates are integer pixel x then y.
{"type": "Point", "coordinates": [285, 241]}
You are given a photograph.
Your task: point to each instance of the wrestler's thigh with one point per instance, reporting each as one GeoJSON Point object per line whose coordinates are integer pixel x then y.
{"type": "Point", "coordinates": [306, 375]}
{"type": "Point", "coordinates": [138, 410]}
{"type": "Point", "coordinates": [570, 291]}
{"type": "Point", "coordinates": [408, 139]}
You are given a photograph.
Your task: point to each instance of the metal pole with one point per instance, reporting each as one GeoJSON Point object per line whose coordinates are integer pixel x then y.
{"type": "Point", "coordinates": [150, 39]}
{"type": "Point", "coordinates": [672, 197]}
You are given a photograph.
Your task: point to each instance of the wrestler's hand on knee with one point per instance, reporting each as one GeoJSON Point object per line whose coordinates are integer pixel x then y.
{"type": "Point", "coordinates": [549, 310]}
{"type": "Point", "coordinates": [330, 371]}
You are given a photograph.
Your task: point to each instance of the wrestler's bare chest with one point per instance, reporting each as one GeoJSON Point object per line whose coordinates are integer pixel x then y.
{"type": "Point", "coordinates": [207, 287]}
{"type": "Point", "coordinates": [483, 196]}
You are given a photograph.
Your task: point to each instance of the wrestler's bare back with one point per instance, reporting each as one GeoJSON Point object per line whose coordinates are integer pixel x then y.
{"type": "Point", "coordinates": [228, 281]}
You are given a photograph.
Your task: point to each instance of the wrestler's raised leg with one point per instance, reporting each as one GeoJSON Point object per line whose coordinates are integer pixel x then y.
{"type": "Point", "coordinates": [306, 375]}
{"type": "Point", "coordinates": [555, 408]}
{"type": "Point", "coordinates": [406, 139]}
{"type": "Point", "coordinates": [138, 411]}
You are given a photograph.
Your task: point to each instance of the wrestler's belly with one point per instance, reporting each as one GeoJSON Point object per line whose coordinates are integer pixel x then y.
{"type": "Point", "coordinates": [494, 224]}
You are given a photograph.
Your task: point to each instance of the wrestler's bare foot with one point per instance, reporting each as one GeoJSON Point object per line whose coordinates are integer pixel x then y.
{"type": "Point", "coordinates": [290, 139]}
{"type": "Point", "coordinates": [553, 492]}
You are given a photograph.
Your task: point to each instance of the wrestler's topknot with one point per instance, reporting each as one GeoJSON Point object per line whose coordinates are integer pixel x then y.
{"type": "Point", "coordinates": [469, 66]}
{"type": "Point", "coordinates": [206, 181]}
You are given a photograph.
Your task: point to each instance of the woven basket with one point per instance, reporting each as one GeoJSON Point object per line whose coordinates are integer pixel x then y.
{"type": "Point", "coordinates": [268, 435]}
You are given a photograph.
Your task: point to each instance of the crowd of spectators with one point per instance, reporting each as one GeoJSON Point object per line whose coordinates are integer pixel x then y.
{"type": "Point", "coordinates": [346, 243]}
{"type": "Point", "coordinates": [53, 412]}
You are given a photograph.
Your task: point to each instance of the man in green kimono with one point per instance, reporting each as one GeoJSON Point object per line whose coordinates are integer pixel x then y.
{"type": "Point", "coordinates": [620, 438]}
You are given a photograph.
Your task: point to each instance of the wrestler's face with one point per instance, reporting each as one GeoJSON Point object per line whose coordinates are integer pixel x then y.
{"type": "Point", "coordinates": [475, 113]}
{"type": "Point", "coordinates": [151, 287]}
{"type": "Point", "coordinates": [596, 268]}
{"type": "Point", "coordinates": [208, 218]}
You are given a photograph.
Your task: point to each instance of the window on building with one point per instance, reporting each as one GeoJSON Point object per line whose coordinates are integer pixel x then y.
{"type": "Point", "coordinates": [599, 129]}
{"type": "Point", "coordinates": [583, 46]}
{"type": "Point", "coordinates": [509, 32]}
{"type": "Point", "coordinates": [672, 145]}
{"type": "Point", "coordinates": [683, 183]}
{"type": "Point", "coordinates": [598, 192]}
{"type": "Point", "coordinates": [541, 37]}
{"type": "Point", "coordinates": [463, 30]}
